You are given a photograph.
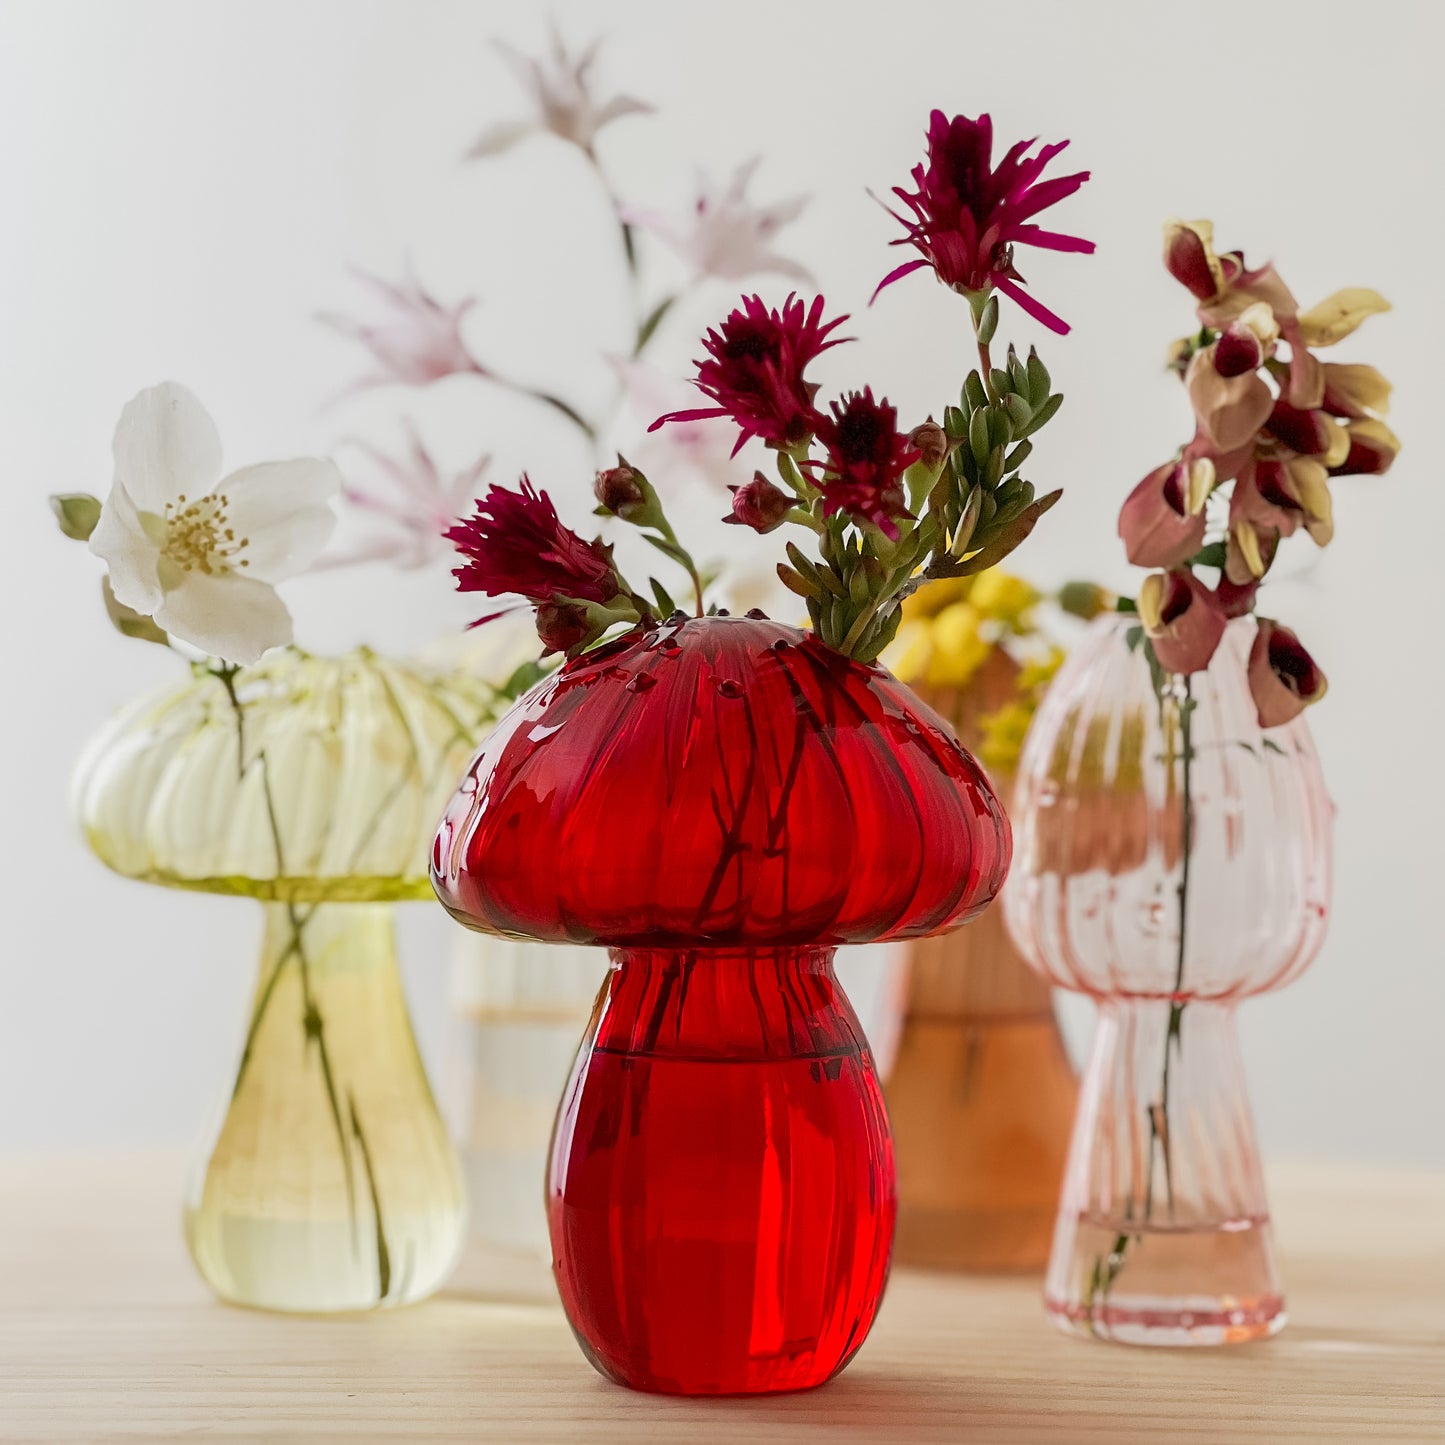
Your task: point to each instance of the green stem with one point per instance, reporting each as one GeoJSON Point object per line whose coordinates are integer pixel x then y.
{"type": "Point", "coordinates": [1160, 1131]}
{"type": "Point", "coordinates": [383, 1254]}
{"type": "Point", "coordinates": [312, 1022]}
{"type": "Point", "coordinates": [985, 362]}
{"type": "Point", "coordinates": [562, 408]}
{"type": "Point", "coordinates": [683, 558]}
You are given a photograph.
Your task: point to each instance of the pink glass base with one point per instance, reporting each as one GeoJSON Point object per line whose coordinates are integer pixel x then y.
{"type": "Point", "coordinates": [1163, 1233]}
{"type": "Point", "coordinates": [1210, 1284]}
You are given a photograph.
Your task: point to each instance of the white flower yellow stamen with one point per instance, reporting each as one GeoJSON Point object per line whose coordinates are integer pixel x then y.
{"type": "Point", "coordinates": [199, 553]}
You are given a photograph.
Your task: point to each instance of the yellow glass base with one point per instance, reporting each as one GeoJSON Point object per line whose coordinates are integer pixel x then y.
{"type": "Point", "coordinates": [331, 1184]}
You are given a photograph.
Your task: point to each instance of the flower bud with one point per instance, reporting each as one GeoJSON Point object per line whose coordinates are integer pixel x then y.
{"type": "Point", "coordinates": [620, 491]}
{"type": "Point", "coordinates": [1189, 256]}
{"type": "Point", "coordinates": [1182, 620]}
{"type": "Point", "coordinates": [562, 626]}
{"type": "Point", "coordinates": [1247, 341]}
{"type": "Point", "coordinates": [931, 442]}
{"type": "Point", "coordinates": [1283, 678]}
{"type": "Point", "coordinates": [759, 505]}
{"type": "Point", "coordinates": [1310, 433]}
{"type": "Point", "coordinates": [1235, 599]}
{"type": "Point", "coordinates": [1238, 351]}
{"type": "Point", "coordinates": [1157, 522]}
{"type": "Point", "coordinates": [1230, 409]}
{"type": "Point", "coordinates": [1373, 448]}
{"type": "Point", "coordinates": [1086, 600]}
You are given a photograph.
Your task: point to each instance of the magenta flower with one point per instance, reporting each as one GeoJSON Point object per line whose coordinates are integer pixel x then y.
{"type": "Point", "coordinates": [754, 371]}
{"type": "Point", "coordinates": [867, 456]}
{"type": "Point", "coordinates": [415, 340]}
{"type": "Point", "coordinates": [969, 215]}
{"type": "Point", "coordinates": [1283, 678]}
{"type": "Point", "coordinates": [515, 544]}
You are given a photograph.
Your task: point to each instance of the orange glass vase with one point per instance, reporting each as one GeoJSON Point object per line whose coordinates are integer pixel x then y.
{"type": "Point", "coordinates": [982, 1090]}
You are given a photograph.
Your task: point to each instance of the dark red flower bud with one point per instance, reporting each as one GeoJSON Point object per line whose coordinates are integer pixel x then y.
{"type": "Point", "coordinates": [759, 505]}
{"type": "Point", "coordinates": [1373, 448]}
{"type": "Point", "coordinates": [1189, 257]}
{"type": "Point", "coordinates": [1311, 433]}
{"type": "Point", "coordinates": [562, 626]}
{"type": "Point", "coordinates": [1238, 351]}
{"type": "Point", "coordinates": [619, 491]}
{"type": "Point", "coordinates": [1234, 599]}
{"type": "Point", "coordinates": [1283, 678]}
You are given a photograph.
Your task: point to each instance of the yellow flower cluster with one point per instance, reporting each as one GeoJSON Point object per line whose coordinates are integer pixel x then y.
{"type": "Point", "coordinates": [1003, 731]}
{"type": "Point", "coordinates": [950, 627]}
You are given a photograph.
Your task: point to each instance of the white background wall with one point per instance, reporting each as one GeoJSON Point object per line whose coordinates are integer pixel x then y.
{"type": "Point", "coordinates": [185, 181]}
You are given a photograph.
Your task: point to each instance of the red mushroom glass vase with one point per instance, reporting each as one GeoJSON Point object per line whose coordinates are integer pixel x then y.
{"type": "Point", "coordinates": [721, 801]}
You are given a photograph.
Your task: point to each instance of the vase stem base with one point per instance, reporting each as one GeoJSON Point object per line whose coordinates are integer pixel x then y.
{"type": "Point", "coordinates": [1133, 1285]}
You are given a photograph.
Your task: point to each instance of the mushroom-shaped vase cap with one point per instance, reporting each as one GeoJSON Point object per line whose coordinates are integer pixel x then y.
{"type": "Point", "coordinates": [720, 782]}
{"type": "Point", "coordinates": [354, 757]}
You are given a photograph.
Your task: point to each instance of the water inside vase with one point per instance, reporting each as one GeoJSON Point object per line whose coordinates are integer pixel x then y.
{"type": "Point", "coordinates": [1134, 1284]}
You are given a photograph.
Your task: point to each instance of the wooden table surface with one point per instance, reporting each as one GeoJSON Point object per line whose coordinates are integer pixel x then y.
{"type": "Point", "coordinates": [106, 1332]}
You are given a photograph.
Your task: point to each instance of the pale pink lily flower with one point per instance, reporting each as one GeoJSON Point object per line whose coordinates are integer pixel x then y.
{"type": "Point", "coordinates": [415, 339]}
{"type": "Point", "coordinates": [724, 235]}
{"type": "Point", "coordinates": [557, 87]}
{"type": "Point", "coordinates": [413, 500]}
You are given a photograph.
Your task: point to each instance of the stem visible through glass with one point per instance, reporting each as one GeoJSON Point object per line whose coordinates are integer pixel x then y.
{"type": "Point", "coordinates": [1107, 1268]}
{"type": "Point", "coordinates": [312, 1021]}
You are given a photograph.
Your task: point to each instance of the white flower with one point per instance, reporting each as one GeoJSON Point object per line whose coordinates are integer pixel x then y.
{"type": "Point", "coordinates": [198, 552]}
{"type": "Point", "coordinates": [556, 85]}
{"type": "Point", "coordinates": [724, 236]}
{"type": "Point", "coordinates": [415, 340]}
{"type": "Point", "coordinates": [416, 502]}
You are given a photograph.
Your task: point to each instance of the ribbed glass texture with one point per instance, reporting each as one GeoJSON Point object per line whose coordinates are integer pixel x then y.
{"type": "Point", "coordinates": [721, 801]}
{"type": "Point", "coordinates": [721, 1192]}
{"type": "Point", "coordinates": [331, 1183]}
{"type": "Point", "coordinates": [725, 781]}
{"type": "Point", "coordinates": [1173, 858]}
{"type": "Point", "coordinates": [360, 755]}
{"type": "Point", "coordinates": [312, 784]}
{"type": "Point", "coordinates": [1098, 833]}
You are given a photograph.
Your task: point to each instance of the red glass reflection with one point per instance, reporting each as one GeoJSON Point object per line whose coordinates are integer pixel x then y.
{"type": "Point", "coordinates": [721, 780]}
{"type": "Point", "coordinates": [721, 1197]}
{"type": "Point", "coordinates": [720, 801]}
